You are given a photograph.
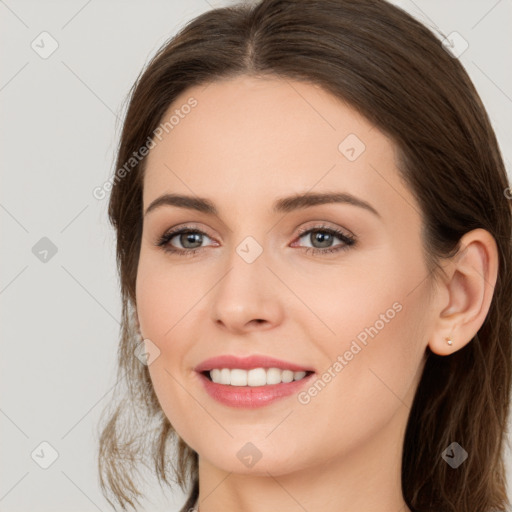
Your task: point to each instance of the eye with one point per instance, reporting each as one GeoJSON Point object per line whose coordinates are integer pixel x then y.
{"type": "Point", "coordinates": [190, 239]}
{"type": "Point", "coordinates": [323, 236]}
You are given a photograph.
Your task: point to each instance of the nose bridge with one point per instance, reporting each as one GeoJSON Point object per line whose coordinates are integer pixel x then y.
{"type": "Point", "coordinates": [250, 249]}
{"type": "Point", "coordinates": [249, 236]}
{"type": "Point", "coordinates": [246, 265]}
{"type": "Point", "coordinates": [247, 291]}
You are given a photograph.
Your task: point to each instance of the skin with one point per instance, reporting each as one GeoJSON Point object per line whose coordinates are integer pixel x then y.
{"type": "Point", "coordinates": [248, 142]}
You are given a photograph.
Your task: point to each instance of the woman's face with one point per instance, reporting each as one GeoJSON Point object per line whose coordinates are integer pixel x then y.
{"type": "Point", "coordinates": [356, 316]}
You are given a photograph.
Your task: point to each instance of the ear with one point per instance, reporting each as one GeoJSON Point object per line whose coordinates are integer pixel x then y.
{"type": "Point", "coordinates": [466, 292]}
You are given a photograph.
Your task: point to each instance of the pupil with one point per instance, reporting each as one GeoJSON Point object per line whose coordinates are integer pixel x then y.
{"type": "Point", "coordinates": [189, 237]}
{"type": "Point", "coordinates": [323, 238]}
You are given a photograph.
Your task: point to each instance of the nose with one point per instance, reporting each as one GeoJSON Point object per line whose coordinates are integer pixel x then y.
{"type": "Point", "coordinates": [248, 297]}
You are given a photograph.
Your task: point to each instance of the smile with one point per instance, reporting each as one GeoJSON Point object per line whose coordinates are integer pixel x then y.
{"type": "Point", "coordinates": [254, 377]}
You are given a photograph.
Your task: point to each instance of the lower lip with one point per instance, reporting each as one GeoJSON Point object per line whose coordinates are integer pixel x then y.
{"type": "Point", "coordinates": [250, 397]}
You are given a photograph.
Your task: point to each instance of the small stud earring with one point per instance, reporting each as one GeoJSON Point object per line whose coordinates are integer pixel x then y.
{"type": "Point", "coordinates": [449, 341]}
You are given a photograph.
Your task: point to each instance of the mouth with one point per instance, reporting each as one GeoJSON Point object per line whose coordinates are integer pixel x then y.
{"type": "Point", "coordinates": [251, 381]}
{"type": "Point", "coordinates": [255, 377]}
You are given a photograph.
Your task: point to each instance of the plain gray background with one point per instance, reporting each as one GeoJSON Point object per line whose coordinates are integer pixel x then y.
{"type": "Point", "coordinates": [61, 119]}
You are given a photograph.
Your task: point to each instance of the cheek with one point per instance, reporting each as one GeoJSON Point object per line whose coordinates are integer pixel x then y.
{"type": "Point", "coordinates": [371, 375]}
{"type": "Point", "coordinates": [165, 294]}
{"type": "Point", "coordinates": [377, 320]}
{"type": "Point", "coordinates": [163, 300]}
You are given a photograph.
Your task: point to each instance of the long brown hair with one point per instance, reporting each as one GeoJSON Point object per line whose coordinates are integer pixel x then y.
{"type": "Point", "coordinates": [395, 72]}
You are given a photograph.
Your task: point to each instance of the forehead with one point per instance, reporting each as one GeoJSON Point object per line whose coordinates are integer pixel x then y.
{"type": "Point", "coordinates": [248, 140]}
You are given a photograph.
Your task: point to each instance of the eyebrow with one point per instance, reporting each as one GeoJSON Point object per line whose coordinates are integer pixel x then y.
{"type": "Point", "coordinates": [282, 205]}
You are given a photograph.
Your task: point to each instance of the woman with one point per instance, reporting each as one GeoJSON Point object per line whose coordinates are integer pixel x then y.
{"type": "Point", "coordinates": [314, 246]}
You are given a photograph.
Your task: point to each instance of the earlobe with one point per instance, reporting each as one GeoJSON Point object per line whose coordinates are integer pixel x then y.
{"type": "Point", "coordinates": [466, 294]}
{"type": "Point", "coordinates": [445, 345]}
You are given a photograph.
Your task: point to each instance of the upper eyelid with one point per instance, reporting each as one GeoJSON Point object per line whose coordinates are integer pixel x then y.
{"type": "Point", "coordinates": [301, 231]}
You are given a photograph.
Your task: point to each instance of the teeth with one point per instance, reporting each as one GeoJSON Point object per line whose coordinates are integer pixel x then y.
{"type": "Point", "coordinates": [254, 377]}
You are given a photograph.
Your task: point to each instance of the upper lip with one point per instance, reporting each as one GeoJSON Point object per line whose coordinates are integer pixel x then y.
{"type": "Point", "coordinates": [248, 363]}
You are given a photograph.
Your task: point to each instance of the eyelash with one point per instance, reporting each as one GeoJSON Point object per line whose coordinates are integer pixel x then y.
{"type": "Point", "coordinates": [348, 241]}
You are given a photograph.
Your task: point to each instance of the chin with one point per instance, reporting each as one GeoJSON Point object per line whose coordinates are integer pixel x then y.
{"type": "Point", "coordinates": [254, 458]}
